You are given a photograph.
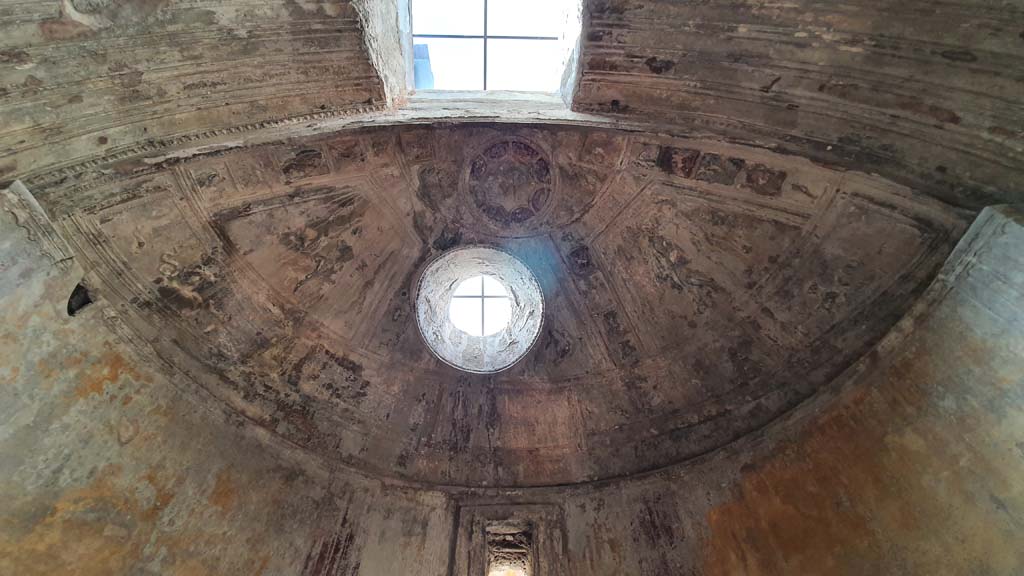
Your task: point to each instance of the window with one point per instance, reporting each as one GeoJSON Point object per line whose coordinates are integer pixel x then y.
{"type": "Point", "coordinates": [492, 44]}
{"type": "Point", "coordinates": [480, 306]}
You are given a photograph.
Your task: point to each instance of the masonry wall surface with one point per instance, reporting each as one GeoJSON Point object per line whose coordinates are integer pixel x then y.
{"type": "Point", "coordinates": [924, 93]}
{"type": "Point", "coordinates": [107, 469]}
{"type": "Point", "coordinates": [911, 464]}
{"type": "Point", "coordinates": [114, 462]}
{"type": "Point", "coordinates": [108, 78]}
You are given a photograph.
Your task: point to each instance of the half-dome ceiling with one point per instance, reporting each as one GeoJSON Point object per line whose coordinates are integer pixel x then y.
{"type": "Point", "coordinates": [747, 359]}
{"type": "Point", "coordinates": [693, 290]}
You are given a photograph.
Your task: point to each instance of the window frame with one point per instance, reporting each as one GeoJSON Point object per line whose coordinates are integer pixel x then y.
{"type": "Point", "coordinates": [483, 297]}
{"type": "Point", "coordinates": [483, 37]}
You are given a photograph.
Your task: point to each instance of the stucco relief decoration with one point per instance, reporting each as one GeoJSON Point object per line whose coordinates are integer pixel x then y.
{"type": "Point", "coordinates": [511, 182]}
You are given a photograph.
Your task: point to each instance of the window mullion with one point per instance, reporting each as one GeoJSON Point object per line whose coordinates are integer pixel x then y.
{"type": "Point", "coordinates": [485, 45]}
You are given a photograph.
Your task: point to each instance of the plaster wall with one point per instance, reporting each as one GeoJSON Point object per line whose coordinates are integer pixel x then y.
{"type": "Point", "coordinates": [106, 468]}
{"type": "Point", "coordinates": [924, 93]}
{"type": "Point", "coordinates": [908, 464]}
{"type": "Point", "coordinates": [82, 79]}
{"type": "Point", "coordinates": [111, 462]}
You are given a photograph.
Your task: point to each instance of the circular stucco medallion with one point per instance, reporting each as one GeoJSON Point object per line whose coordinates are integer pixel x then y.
{"type": "Point", "coordinates": [510, 181]}
{"type": "Point", "coordinates": [493, 352]}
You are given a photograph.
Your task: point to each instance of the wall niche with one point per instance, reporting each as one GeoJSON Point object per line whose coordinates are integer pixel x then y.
{"type": "Point", "coordinates": [510, 540]}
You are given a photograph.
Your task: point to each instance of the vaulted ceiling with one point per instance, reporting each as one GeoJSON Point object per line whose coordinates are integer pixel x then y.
{"type": "Point", "coordinates": [744, 198]}
{"type": "Point", "coordinates": [694, 290]}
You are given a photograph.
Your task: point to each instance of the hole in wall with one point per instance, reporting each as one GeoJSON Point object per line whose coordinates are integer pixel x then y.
{"type": "Point", "coordinates": [80, 298]}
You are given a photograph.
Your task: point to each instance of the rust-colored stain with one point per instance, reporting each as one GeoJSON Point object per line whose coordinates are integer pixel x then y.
{"type": "Point", "coordinates": [12, 375]}
{"type": "Point", "coordinates": [190, 567]}
{"type": "Point", "coordinates": [103, 528]}
{"type": "Point", "coordinates": [64, 29]}
{"type": "Point", "coordinates": [878, 479]}
{"type": "Point", "coordinates": [45, 370]}
{"type": "Point", "coordinates": [73, 361]}
{"type": "Point", "coordinates": [110, 368]}
{"type": "Point", "coordinates": [74, 536]}
{"type": "Point", "coordinates": [163, 494]}
{"type": "Point", "coordinates": [223, 494]}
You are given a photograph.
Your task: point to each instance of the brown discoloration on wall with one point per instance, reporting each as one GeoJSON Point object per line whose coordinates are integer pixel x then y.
{"type": "Point", "coordinates": [251, 394]}
{"type": "Point", "coordinates": [163, 492]}
{"type": "Point", "coordinates": [64, 29]}
{"type": "Point", "coordinates": [851, 483]}
{"type": "Point", "coordinates": [909, 464]}
{"type": "Point", "coordinates": [67, 533]}
{"type": "Point", "coordinates": [908, 468]}
{"type": "Point", "coordinates": [109, 369]}
{"type": "Point", "coordinates": [224, 494]}
{"type": "Point", "coordinates": [151, 482]}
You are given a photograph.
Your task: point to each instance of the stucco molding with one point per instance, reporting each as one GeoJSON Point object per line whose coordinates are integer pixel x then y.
{"type": "Point", "coordinates": [30, 217]}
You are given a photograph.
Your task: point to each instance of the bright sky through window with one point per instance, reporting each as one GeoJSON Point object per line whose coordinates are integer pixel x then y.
{"type": "Point", "coordinates": [480, 306]}
{"type": "Point", "coordinates": [492, 44]}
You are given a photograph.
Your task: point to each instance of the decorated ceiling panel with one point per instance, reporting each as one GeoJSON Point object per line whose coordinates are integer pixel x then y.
{"type": "Point", "coordinates": [694, 290]}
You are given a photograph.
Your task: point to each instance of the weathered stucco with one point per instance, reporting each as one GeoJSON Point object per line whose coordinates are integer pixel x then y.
{"type": "Point", "coordinates": [742, 368]}
{"type": "Point", "coordinates": [923, 93]}
{"type": "Point", "coordinates": [107, 468]}
{"type": "Point", "coordinates": [909, 464]}
{"type": "Point", "coordinates": [83, 79]}
{"type": "Point", "coordinates": [693, 290]}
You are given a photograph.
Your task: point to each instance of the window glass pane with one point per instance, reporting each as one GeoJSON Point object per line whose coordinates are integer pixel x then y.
{"type": "Point", "coordinates": [529, 65]}
{"type": "Point", "coordinates": [527, 17]}
{"type": "Point", "coordinates": [463, 17]}
{"type": "Point", "coordinates": [448, 63]}
{"type": "Point", "coordinates": [471, 287]}
{"type": "Point", "coordinates": [465, 314]}
{"type": "Point", "coordinates": [497, 313]}
{"type": "Point", "coordinates": [493, 287]}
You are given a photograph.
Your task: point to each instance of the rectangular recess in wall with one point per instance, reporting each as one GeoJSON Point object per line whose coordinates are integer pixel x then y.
{"type": "Point", "coordinates": [510, 550]}
{"type": "Point", "coordinates": [510, 540]}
